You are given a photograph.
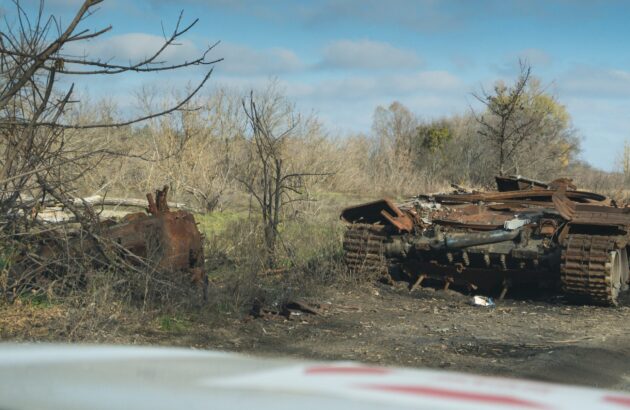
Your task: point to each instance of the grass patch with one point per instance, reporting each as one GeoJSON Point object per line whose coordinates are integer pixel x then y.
{"type": "Point", "coordinates": [306, 240]}
{"type": "Point", "coordinates": [343, 199]}
{"type": "Point", "coordinates": [309, 255]}
{"type": "Point", "coordinates": [36, 300]}
{"type": "Point", "coordinates": [173, 324]}
{"type": "Point", "coordinates": [215, 223]}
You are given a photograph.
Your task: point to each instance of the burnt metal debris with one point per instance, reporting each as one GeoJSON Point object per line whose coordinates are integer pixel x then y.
{"type": "Point", "coordinates": [170, 239]}
{"type": "Point", "coordinates": [159, 239]}
{"type": "Point", "coordinates": [526, 232]}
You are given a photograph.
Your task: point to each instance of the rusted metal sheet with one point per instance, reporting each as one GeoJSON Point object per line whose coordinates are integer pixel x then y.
{"type": "Point", "coordinates": [563, 204]}
{"type": "Point", "coordinates": [164, 239]}
{"type": "Point", "coordinates": [383, 211]}
{"type": "Point", "coordinates": [536, 197]}
{"type": "Point", "coordinates": [169, 239]}
{"type": "Point", "coordinates": [517, 183]}
{"type": "Point", "coordinates": [600, 215]}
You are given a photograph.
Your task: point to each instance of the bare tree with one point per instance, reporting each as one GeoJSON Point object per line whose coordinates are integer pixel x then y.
{"type": "Point", "coordinates": [528, 129]}
{"type": "Point", "coordinates": [41, 150]}
{"type": "Point", "coordinates": [38, 151]}
{"type": "Point", "coordinates": [391, 165]}
{"type": "Point", "coordinates": [503, 122]}
{"type": "Point", "coordinates": [266, 175]}
{"type": "Point", "coordinates": [623, 162]}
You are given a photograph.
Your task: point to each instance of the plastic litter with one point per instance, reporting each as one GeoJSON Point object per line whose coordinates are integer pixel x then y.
{"type": "Point", "coordinates": [484, 301]}
{"type": "Point", "coordinates": [515, 223]}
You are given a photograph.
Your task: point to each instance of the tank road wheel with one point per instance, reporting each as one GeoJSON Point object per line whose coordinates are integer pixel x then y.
{"type": "Point", "coordinates": [614, 268]}
{"type": "Point", "coordinates": [625, 270]}
{"type": "Point", "coordinates": [363, 249]}
{"type": "Point", "coordinates": [593, 267]}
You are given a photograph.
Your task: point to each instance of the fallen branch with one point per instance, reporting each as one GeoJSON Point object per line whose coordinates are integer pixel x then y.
{"type": "Point", "coordinates": [97, 200]}
{"type": "Point", "coordinates": [54, 206]}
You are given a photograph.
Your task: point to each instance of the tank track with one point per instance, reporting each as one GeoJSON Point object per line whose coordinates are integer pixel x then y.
{"type": "Point", "coordinates": [363, 249]}
{"type": "Point", "coordinates": [587, 268]}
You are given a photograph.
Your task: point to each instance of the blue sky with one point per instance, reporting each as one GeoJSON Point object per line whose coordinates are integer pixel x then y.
{"type": "Point", "coordinates": [340, 59]}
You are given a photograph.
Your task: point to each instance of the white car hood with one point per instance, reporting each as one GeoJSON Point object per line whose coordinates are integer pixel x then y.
{"type": "Point", "coordinates": [116, 377]}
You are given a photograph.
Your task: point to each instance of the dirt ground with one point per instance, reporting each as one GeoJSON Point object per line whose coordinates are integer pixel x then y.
{"type": "Point", "coordinates": [543, 340]}
{"type": "Point", "coordinates": [546, 339]}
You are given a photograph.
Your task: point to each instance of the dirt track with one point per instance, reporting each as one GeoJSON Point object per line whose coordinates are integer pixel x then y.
{"type": "Point", "coordinates": [544, 340]}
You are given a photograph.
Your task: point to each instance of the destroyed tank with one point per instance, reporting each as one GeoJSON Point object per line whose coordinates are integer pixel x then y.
{"type": "Point", "coordinates": [159, 239]}
{"type": "Point", "coordinates": [526, 233]}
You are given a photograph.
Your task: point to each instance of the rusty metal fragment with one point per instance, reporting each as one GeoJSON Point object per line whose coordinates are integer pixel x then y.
{"type": "Point", "coordinates": [527, 232]}
{"type": "Point", "coordinates": [160, 240]}
{"type": "Point", "coordinates": [383, 211]}
{"type": "Point", "coordinates": [169, 239]}
{"type": "Point", "coordinates": [563, 204]}
{"type": "Point", "coordinates": [288, 310]}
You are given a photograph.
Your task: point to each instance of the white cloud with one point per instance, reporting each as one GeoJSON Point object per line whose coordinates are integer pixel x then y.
{"type": "Point", "coordinates": [604, 125]}
{"type": "Point", "coordinates": [237, 59]}
{"type": "Point", "coordinates": [134, 47]}
{"type": "Point", "coordinates": [370, 86]}
{"type": "Point", "coordinates": [535, 56]}
{"type": "Point", "coordinates": [418, 15]}
{"type": "Point", "coordinates": [367, 54]}
{"type": "Point", "coordinates": [66, 3]}
{"type": "Point", "coordinates": [346, 103]}
{"type": "Point", "coordinates": [596, 82]}
{"type": "Point", "coordinates": [428, 80]}
{"type": "Point", "coordinates": [509, 67]}
{"type": "Point", "coordinates": [463, 62]}
{"type": "Point", "coordinates": [243, 60]}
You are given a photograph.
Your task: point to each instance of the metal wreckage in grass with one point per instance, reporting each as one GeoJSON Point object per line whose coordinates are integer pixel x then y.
{"type": "Point", "coordinates": [159, 238]}
{"type": "Point", "coordinates": [170, 238]}
{"type": "Point", "coordinates": [526, 233]}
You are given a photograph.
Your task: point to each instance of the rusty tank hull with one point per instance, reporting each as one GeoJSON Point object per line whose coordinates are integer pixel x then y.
{"type": "Point", "coordinates": [170, 239]}
{"type": "Point", "coordinates": [526, 233]}
{"type": "Point", "coordinates": [159, 239]}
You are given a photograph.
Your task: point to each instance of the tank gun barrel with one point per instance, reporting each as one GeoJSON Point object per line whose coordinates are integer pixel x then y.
{"type": "Point", "coordinates": [451, 241]}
